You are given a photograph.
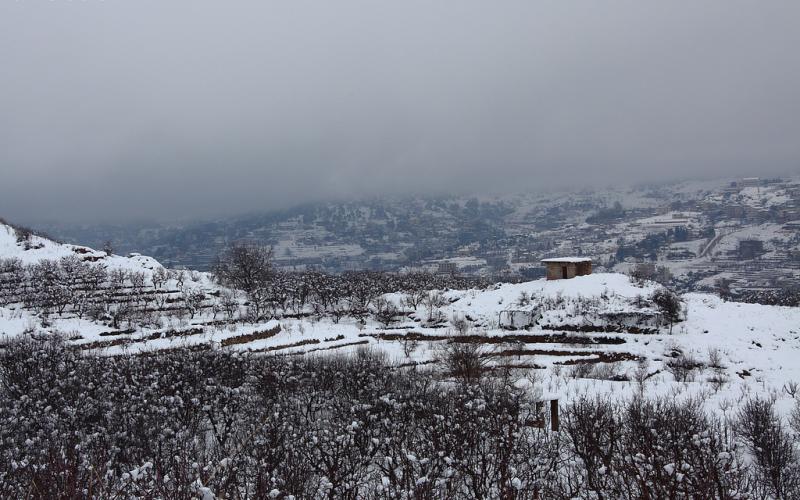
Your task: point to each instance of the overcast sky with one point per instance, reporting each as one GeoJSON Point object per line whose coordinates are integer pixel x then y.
{"type": "Point", "coordinates": [138, 108]}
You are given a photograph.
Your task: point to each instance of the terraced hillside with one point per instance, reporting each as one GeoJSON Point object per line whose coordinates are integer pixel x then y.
{"type": "Point", "coordinates": [603, 332]}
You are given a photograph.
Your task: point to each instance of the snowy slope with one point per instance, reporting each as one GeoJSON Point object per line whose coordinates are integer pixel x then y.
{"type": "Point", "coordinates": [40, 248]}
{"type": "Point", "coordinates": [756, 346]}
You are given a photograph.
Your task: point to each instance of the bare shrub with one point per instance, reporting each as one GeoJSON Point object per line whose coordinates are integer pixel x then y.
{"type": "Point", "coordinates": [777, 469]}
{"type": "Point", "coordinates": [108, 248]}
{"type": "Point", "coordinates": [461, 324]}
{"type": "Point", "coordinates": [467, 361]}
{"type": "Point", "coordinates": [715, 358]}
{"type": "Point", "coordinates": [594, 429]}
{"type": "Point", "coordinates": [794, 418]}
{"type": "Point", "coordinates": [641, 374]}
{"type": "Point", "coordinates": [683, 367]}
{"type": "Point", "coordinates": [192, 421]}
{"type": "Point", "coordinates": [581, 370]}
{"type": "Point", "coordinates": [718, 379]}
{"type": "Point", "coordinates": [792, 388]}
{"type": "Point", "coordinates": [410, 345]}
{"type": "Point", "coordinates": [671, 448]}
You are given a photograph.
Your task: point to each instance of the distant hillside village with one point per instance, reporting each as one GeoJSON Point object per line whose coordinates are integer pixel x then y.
{"type": "Point", "coordinates": [729, 236]}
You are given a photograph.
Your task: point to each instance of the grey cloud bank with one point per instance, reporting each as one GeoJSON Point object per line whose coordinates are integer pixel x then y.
{"type": "Point", "coordinates": [121, 109]}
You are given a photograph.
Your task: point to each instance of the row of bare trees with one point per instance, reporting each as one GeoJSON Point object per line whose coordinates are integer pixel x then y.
{"type": "Point", "coordinates": [271, 292]}
{"type": "Point", "coordinates": [189, 422]}
{"type": "Point", "coordinates": [253, 290]}
{"type": "Point", "coordinates": [789, 296]}
{"type": "Point", "coordinates": [72, 286]}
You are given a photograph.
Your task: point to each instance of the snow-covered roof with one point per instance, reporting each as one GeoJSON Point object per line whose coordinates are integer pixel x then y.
{"type": "Point", "coordinates": [566, 260]}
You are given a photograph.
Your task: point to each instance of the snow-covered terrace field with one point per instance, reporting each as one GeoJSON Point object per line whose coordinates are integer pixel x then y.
{"type": "Point", "coordinates": [738, 349]}
{"type": "Point", "coordinates": [757, 346]}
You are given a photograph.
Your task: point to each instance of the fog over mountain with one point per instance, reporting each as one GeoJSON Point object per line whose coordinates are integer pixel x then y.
{"type": "Point", "coordinates": [117, 110]}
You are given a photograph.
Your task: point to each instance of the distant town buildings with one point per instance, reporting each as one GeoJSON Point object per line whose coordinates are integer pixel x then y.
{"type": "Point", "coordinates": [692, 229]}
{"type": "Point", "coordinates": [447, 268]}
{"type": "Point", "coordinates": [750, 249]}
{"type": "Point", "coordinates": [750, 182]}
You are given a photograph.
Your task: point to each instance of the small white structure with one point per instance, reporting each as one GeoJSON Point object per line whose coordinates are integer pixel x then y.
{"type": "Point", "coordinates": [515, 319]}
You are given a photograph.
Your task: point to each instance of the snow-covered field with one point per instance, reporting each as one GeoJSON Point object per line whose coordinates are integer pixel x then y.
{"type": "Point", "coordinates": [734, 349]}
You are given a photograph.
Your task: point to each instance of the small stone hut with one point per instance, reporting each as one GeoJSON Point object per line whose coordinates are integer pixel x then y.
{"type": "Point", "coordinates": [563, 268]}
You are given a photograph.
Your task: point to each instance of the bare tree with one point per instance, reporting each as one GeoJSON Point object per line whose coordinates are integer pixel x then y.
{"type": "Point", "coordinates": [77, 276]}
{"type": "Point", "coordinates": [433, 301]}
{"type": "Point", "coordinates": [192, 300]}
{"type": "Point", "coordinates": [179, 276]}
{"type": "Point", "coordinates": [415, 291]}
{"type": "Point", "coordinates": [138, 281]}
{"type": "Point", "coordinates": [461, 324]}
{"type": "Point", "coordinates": [385, 311]}
{"type": "Point", "coordinates": [229, 304]}
{"type": "Point", "coordinates": [12, 281]}
{"type": "Point", "coordinates": [247, 268]}
{"type": "Point", "coordinates": [108, 248]}
{"type": "Point", "coordinates": [669, 304]}
{"type": "Point", "coordinates": [159, 278]}
{"type": "Point", "coordinates": [243, 266]}
{"type": "Point", "coordinates": [410, 345]}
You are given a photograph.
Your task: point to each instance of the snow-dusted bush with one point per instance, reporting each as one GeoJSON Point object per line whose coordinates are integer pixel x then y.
{"type": "Point", "coordinates": [195, 422]}
{"type": "Point", "coordinates": [649, 448]}
{"type": "Point", "coordinates": [774, 449]}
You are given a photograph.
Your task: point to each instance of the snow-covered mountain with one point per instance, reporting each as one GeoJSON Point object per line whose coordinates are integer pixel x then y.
{"type": "Point", "coordinates": [740, 235]}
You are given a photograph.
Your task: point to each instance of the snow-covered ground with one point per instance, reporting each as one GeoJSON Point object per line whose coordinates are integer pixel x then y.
{"type": "Point", "coordinates": [38, 249]}
{"type": "Point", "coordinates": [757, 345]}
{"type": "Point", "coordinates": [738, 349]}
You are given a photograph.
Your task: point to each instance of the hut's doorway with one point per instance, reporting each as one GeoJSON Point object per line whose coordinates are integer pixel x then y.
{"type": "Point", "coordinates": [564, 272]}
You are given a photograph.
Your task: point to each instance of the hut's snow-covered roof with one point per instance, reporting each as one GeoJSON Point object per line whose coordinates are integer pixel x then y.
{"type": "Point", "coordinates": [566, 260]}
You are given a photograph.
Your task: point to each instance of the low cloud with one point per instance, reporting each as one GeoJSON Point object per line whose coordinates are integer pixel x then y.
{"type": "Point", "coordinates": [116, 110]}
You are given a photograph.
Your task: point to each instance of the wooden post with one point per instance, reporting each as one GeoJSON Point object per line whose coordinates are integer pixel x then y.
{"type": "Point", "coordinates": [554, 415]}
